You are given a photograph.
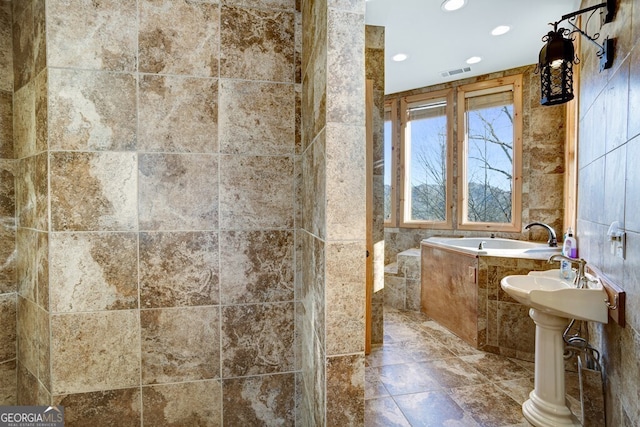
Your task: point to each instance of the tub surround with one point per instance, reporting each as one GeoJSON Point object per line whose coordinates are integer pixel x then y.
{"type": "Point", "coordinates": [466, 282]}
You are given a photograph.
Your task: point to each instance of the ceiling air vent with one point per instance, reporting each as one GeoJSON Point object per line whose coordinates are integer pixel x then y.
{"type": "Point", "coordinates": [455, 72]}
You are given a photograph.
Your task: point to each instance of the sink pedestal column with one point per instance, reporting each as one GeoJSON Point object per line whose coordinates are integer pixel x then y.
{"type": "Point", "coordinates": [546, 406]}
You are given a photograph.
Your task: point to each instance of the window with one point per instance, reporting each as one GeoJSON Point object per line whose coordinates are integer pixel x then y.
{"type": "Point", "coordinates": [484, 191]}
{"type": "Point", "coordinates": [489, 141]}
{"type": "Point", "coordinates": [426, 160]}
{"type": "Point", "coordinates": [390, 167]}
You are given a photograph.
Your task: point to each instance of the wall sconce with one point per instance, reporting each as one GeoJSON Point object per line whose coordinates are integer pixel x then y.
{"type": "Point", "coordinates": [557, 56]}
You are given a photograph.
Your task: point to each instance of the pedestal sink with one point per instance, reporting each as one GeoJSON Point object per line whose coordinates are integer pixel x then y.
{"type": "Point", "coordinates": [552, 303]}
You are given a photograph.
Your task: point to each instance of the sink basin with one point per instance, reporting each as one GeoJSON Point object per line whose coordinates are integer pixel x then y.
{"type": "Point", "coordinates": [547, 292]}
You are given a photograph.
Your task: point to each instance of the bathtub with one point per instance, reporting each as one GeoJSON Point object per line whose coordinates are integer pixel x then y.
{"type": "Point", "coordinates": [460, 289]}
{"type": "Point", "coordinates": [494, 246]}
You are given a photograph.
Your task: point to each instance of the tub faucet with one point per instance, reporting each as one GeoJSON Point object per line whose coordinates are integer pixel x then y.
{"type": "Point", "coordinates": [580, 279]}
{"type": "Point", "coordinates": [553, 241]}
{"type": "Point", "coordinates": [481, 245]}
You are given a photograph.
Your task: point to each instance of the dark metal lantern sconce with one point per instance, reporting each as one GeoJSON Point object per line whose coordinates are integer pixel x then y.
{"type": "Point", "coordinates": [557, 56]}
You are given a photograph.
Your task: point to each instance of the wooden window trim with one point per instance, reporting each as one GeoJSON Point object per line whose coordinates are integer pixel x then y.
{"type": "Point", "coordinates": [516, 197]}
{"type": "Point", "coordinates": [392, 107]}
{"type": "Point", "coordinates": [402, 202]}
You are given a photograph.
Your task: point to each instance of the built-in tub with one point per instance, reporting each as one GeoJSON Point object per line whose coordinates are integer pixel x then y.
{"type": "Point", "coordinates": [460, 289]}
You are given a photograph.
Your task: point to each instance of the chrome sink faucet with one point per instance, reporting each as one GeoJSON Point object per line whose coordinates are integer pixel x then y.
{"type": "Point", "coordinates": [580, 279]}
{"type": "Point", "coordinates": [553, 241]}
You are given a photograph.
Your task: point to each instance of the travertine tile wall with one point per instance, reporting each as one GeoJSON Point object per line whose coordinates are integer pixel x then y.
{"type": "Point", "coordinates": [332, 233]}
{"type": "Point", "coordinates": [8, 286]}
{"type": "Point", "coordinates": [165, 137]}
{"type": "Point", "coordinates": [542, 167]}
{"type": "Point", "coordinates": [374, 57]}
{"type": "Point", "coordinates": [608, 188]}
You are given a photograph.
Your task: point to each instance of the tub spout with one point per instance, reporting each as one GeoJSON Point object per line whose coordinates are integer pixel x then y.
{"type": "Point", "coordinates": [553, 241]}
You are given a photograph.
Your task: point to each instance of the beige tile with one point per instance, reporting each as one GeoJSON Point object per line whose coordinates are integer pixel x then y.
{"type": "Point", "coordinates": [41, 95]}
{"type": "Point", "coordinates": [178, 192]}
{"type": "Point", "coordinates": [433, 408]}
{"type": "Point", "coordinates": [185, 404]}
{"type": "Point", "coordinates": [266, 4]}
{"type": "Point", "coordinates": [111, 407]}
{"type": "Point", "coordinates": [8, 383]}
{"type": "Point", "coordinates": [179, 37]}
{"type": "Point", "coordinates": [8, 331]}
{"type": "Point", "coordinates": [24, 121]}
{"type": "Point", "coordinates": [93, 271]}
{"type": "Point", "coordinates": [345, 390]}
{"type": "Point", "coordinates": [6, 123]}
{"type": "Point", "coordinates": [26, 243]}
{"type": "Point", "coordinates": [345, 298]}
{"type": "Point", "coordinates": [275, 392]}
{"type": "Point", "coordinates": [256, 118]}
{"type": "Point", "coordinates": [383, 412]}
{"type": "Point", "coordinates": [95, 351]}
{"type": "Point", "coordinates": [256, 266]}
{"type": "Point", "coordinates": [27, 386]}
{"type": "Point", "coordinates": [23, 45]}
{"type": "Point", "coordinates": [256, 192]}
{"type": "Point", "coordinates": [257, 339]}
{"type": "Point", "coordinates": [6, 48]}
{"type": "Point", "coordinates": [343, 85]}
{"type": "Point", "coordinates": [178, 114]}
{"type": "Point", "coordinates": [91, 110]}
{"type": "Point", "coordinates": [180, 344]}
{"type": "Point", "coordinates": [93, 191]}
{"type": "Point", "coordinates": [488, 405]}
{"type": "Point", "coordinates": [179, 269]}
{"type": "Point", "coordinates": [314, 188]}
{"type": "Point", "coordinates": [92, 35]}
{"type": "Point", "coordinates": [345, 183]}
{"type": "Point", "coordinates": [258, 46]}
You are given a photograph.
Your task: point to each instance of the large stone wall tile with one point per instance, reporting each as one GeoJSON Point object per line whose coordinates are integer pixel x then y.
{"type": "Point", "coordinates": [275, 392]}
{"type": "Point", "coordinates": [185, 404]}
{"type": "Point", "coordinates": [97, 35]}
{"type": "Point", "coordinates": [23, 45]}
{"type": "Point", "coordinates": [256, 192]}
{"type": "Point", "coordinates": [178, 114]}
{"type": "Point", "coordinates": [27, 246]}
{"type": "Point", "coordinates": [345, 390]}
{"type": "Point", "coordinates": [257, 339]}
{"type": "Point", "coordinates": [95, 351]}
{"type": "Point", "coordinates": [90, 110]}
{"type": "Point", "coordinates": [313, 102]}
{"type": "Point", "coordinates": [180, 344]}
{"type": "Point", "coordinates": [8, 330]}
{"type": "Point", "coordinates": [178, 192]}
{"type": "Point", "coordinates": [27, 386]}
{"type": "Point", "coordinates": [345, 53]}
{"type": "Point", "coordinates": [6, 123]}
{"type": "Point", "coordinates": [32, 334]}
{"type": "Point", "coordinates": [179, 269]}
{"type": "Point", "coordinates": [93, 271]}
{"type": "Point", "coordinates": [6, 48]}
{"type": "Point", "coordinates": [8, 383]}
{"type": "Point", "coordinates": [632, 201]}
{"type": "Point", "coordinates": [256, 266]}
{"type": "Point", "coordinates": [257, 118]}
{"type": "Point", "coordinates": [93, 191]}
{"type": "Point", "coordinates": [266, 4]}
{"type": "Point", "coordinates": [24, 121]}
{"type": "Point", "coordinates": [101, 408]}
{"type": "Point", "coordinates": [345, 182]}
{"type": "Point", "coordinates": [345, 297]}
{"type": "Point", "coordinates": [314, 187]}
{"type": "Point", "coordinates": [257, 44]}
{"type": "Point", "coordinates": [179, 37]}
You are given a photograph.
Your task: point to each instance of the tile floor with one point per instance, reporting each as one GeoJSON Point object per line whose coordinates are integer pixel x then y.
{"type": "Point", "coordinates": [424, 375]}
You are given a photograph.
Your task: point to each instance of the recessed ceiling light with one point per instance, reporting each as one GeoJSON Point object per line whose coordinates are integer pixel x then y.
{"type": "Point", "coordinates": [474, 60]}
{"type": "Point", "coordinates": [399, 57]}
{"type": "Point", "coordinates": [451, 5]}
{"type": "Point", "coordinates": [500, 30]}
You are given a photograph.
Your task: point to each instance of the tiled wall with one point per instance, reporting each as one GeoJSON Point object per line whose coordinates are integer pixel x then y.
{"type": "Point", "coordinates": [542, 167]}
{"type": "Point", "coordinates": [7, 215]}
{"type": "Point", "coordinates": [608, 190]}
{"type": "Point", "coordinates": [171, 139]}
{"type": "Point", "coordinates": [332, 234]}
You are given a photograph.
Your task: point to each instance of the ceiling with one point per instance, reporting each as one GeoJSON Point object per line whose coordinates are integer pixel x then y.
{"type": "Point", "coordinates": [437, 41]}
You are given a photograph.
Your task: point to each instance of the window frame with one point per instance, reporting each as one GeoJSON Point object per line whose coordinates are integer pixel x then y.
{"type": "Point", "coordinates": [405, 209]}
{"type": "Point", "coordinates": [516, 197]}
{"type": "Point", "coordinates": [391, 106]}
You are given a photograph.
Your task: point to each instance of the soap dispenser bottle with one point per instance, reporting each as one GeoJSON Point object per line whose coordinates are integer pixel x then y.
{"type": "Point", "coordinates": [569, 249]}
